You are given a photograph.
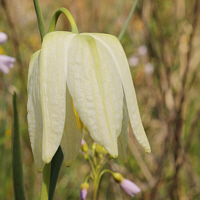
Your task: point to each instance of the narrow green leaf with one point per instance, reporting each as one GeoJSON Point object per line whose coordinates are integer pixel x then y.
{"type": "Point", "coordinates": [127, 21]}
{"type": "Point", "coordinates": [18, 180]}
{"type": "Point", "coordinates": [55, 169]}
{"type": "Point", "coordinates": [40, 19]}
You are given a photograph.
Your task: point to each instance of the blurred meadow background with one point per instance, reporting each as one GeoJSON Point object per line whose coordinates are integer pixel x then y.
{"type": "Point", "coordinates": [162, 43]}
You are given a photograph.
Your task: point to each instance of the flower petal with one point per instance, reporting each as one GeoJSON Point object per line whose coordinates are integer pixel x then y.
{"type": "Point", "coordinates": [71, 140]}
{"type": "Point", "coordinates": [123, 137]}
{"type": "Point", "coordinates": [3, 37]}
{"type": "Point", "coordinates": [34, 110]}
{"type": "Point", "coordinates": [54, 55]}
{"type": "Point", "coordinates": [96, 91]}
{"type": "Point", "coordinates": [113, 45]}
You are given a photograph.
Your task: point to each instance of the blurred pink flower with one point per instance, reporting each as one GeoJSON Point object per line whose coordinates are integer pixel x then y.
{"type": "Point", "coordinates": [133, 61]}
{"type": "Point", "coordinates": [83, 194]}
{"type": "Point", "coordinates": [129, 187]}
{"type": "Point", "coordinates": [142, 50]}
{"type": "Point", "coordinates": [3, 38]}
{"type": "Point", "coordinates": [83, 142]}
{"type": "Point", "coordinates": [84, 188]}
{"type": "Point", "coordinates": [149, 68]}
{"type": "Point", "coordinates": [6, 62]}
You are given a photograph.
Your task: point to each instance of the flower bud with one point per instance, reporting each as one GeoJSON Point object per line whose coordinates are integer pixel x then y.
{"type": "Point", "coordinates": [84, 188]}
{"type": "Point", "coordinates": [129, 187]}
{"type": "Point", "coordinates": [84, 146]}
{"type": "Point", "coordinates": [118, 177]}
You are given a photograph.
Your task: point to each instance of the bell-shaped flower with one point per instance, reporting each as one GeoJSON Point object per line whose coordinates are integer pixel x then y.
{"type": "Point", "coordinates": [84, 76]}
{"type": "Point", "coordinates": [84, 189]}
{"type": "Point", "coordinates": [6, 62]}
{"type": "Point", "coordinates": [128, 186]}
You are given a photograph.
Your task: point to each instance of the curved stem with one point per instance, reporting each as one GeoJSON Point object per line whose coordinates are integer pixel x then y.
{"type": "Point", "coordinates": [127, 21]}
{"type": "Point", "coordinates": [69, 17]}
{"type": "Point", "coordinates": [103, 172]}
{"type": "Point", "coordinates": [40, 19]}
{"type": "Point", "coordinates": [45, 182]}
{"type": "Point", "coordinates": [87, 178]}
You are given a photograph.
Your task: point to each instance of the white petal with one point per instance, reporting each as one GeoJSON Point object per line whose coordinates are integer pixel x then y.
{"type": "Point", "coordinates": [34, 110]}
{"type": "Point", "coordinates": [71, 140]}
{"type": "Point", "coordinates": [54, 55]}
{"type": "Point", "coordinates": [113, 45]}
{"type": "Point", "coordinates": [96, 90]}
{"type": "Point", "coordinates": [123, 137]}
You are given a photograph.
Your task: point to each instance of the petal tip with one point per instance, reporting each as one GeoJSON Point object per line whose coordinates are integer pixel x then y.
{"type": "Point", "coordinates": [46, 159]}
{"type": "Point", "coordinates": [68, 163]}
{"type": "Point", "coordinates": [148, 150]}
{"type": "Point", "coordinates": [39, 170]}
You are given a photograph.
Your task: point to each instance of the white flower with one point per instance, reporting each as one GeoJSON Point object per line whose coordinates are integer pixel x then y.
{"type": "Point", "coordinates": [91, 71]}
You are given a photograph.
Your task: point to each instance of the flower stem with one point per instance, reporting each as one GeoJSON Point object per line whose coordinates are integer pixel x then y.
{"type": "Point", "coordinates": [127, 21]}
{"type": "Point", "coordinates": [69, 17]}
{"type": "Point", "coordinates": [40, 19]}
{"type": "Point", "coordinates": [45, 182]}
{"type": "Point", "coordinates": [96, 186]}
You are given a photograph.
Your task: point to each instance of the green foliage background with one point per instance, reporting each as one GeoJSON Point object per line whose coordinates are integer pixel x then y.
{"type": "Point", "coordinates": [168, 97]}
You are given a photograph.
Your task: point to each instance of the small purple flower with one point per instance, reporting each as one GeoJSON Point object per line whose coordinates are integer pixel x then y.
{"type": "Point", "coordinates": [83, 142]}
{"type": "Point", "coordinates": [83, 194]}
{"type": "Point", "coordinates": [3, 38]}
{"type": "Point", "coordinates": [149, 68]}
{"type": "Point", "coordinates": [133, 61]}
{"type": "Point", "coordinates": [6, 62]}
{"type": "Point", "coordinates": [142, 50]}
{"type": "Point", "coordinates": [84, 188]}
{"type": "Point", "coordinates": [129, 187]}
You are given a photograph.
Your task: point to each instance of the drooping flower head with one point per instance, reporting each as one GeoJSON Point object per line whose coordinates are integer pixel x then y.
{"type": "Point", "coordinates": [88, 73]}
{"type": "Point", "coordinates": [84, 189]}
{"type": "Point", "coordinates": [128, 186]}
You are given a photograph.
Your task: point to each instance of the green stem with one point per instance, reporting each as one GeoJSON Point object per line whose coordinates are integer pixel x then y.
{"type": "Point", "coordinates": [127, 21]}
{"type": "Point", "coordinates": [103, 164]}
{"type": "Point", "coordinates": [69, 17]}
{"type": "Point", "coordinates": [87, 178]}
{"type": "Point", "coordinates": [45, 182]}
{"type": "Point", "coordinates": [91, 164]}
{"type": "Point", "coordinates": [96, 186]}
{"type": "Point", "coordinates": [103, 172]}
{"type": "Point", "coordinates": [40, 19]}
{"type": "Point", "coordinates": [96, 181]}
